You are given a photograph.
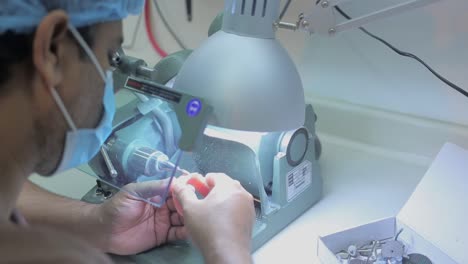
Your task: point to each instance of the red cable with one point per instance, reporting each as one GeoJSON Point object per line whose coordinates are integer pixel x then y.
{"type": "Point", "coordinates": [149, 31]}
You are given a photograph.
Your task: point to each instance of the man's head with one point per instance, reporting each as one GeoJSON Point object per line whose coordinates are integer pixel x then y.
{"type": "Point", "coordinates": [38, 53]}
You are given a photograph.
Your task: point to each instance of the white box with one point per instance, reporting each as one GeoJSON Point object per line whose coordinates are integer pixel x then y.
{"type": "Point", "coordinates": [435, 217]}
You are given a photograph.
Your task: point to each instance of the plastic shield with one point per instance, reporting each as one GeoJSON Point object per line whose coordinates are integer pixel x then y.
{"type": "Point", "coordinates": [155, 129]}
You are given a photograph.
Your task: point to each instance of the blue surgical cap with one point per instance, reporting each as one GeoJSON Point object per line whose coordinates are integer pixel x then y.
{"type": "Point", "coordinates": [23, 16]}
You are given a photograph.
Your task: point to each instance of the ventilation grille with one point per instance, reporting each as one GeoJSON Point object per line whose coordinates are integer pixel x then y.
{"type": "Point", "coordinates": [250, 7]}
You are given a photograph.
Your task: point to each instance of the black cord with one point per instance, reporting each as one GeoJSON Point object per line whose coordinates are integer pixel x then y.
{"type": "Point", "coordinates": [285, 9]}
{"type": "Point", "coordinates": [406, 54]}
{"type": "Point", "coordinates": [134, 35]}
{"type": "Point", "coordinates": [188, 7]}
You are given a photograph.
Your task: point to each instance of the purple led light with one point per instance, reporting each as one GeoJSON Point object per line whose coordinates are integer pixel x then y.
{"type": "Point", "coordinates": [193, 108]}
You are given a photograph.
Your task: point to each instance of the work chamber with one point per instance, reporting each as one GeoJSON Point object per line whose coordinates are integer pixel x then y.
{"type": "Point", "coordinates": [160, 133]}
{"type": "Point", "coordinates": [235, 106]}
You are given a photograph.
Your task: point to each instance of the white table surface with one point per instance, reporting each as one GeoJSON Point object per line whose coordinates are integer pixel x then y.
{"type": "Point", "coordinates": [361, 184]}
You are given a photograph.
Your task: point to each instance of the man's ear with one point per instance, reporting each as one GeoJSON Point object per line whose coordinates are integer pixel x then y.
{"type": "Point", "coordinates": [49, 38]}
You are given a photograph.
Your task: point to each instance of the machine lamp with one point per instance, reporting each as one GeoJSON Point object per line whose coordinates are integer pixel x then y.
{"type": "Point", "coordinates": [245, 73]}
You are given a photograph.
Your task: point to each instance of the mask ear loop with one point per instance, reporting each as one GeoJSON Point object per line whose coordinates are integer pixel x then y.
{"type": "Point", "coordinates": [94, 60]}
{"type": "Point", "coordinates": [88, 51]}
{"type": "Point", "coordinates": [63, 109]}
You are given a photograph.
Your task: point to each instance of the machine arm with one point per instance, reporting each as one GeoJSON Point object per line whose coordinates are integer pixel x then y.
{"type": "Point", "coordinates": [323, 18]}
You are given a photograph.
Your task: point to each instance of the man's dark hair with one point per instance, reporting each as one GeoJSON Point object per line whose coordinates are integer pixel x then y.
{"type": "Point", "coordinates": [17, 48]}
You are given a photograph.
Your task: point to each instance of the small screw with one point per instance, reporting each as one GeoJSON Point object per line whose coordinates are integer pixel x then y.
{"type": "Point", "coordinates": [325, 4]}
{"type": "Point", "coordinates": [99, 191]}
{"type": "Point", "coordinates": [332, 31]}
{"type": "Point", "coordinates": [305, 23]}
{"type": "Point", "coordinates": [116, 59]}
{"type": "Point", "coordinates": [107, 195]}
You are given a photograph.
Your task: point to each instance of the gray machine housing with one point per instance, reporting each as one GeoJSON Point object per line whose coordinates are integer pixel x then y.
{"type": "Point", "coordinates": [281, 169]}
{"type": "Point", "coordinates": [267, 171]}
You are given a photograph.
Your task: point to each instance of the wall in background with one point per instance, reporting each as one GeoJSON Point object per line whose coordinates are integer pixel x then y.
{"type": "Point", "coordinates": [194, 33]}
{"type": "Point", "coordinates": [351, 66]}
{"type": "Point", "coordinates": [355, 68]}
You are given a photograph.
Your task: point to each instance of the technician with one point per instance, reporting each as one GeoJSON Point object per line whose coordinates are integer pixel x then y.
{"type": "Point", "coordinates": [56, 108]}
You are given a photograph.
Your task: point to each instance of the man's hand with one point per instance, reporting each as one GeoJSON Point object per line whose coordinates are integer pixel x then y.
{"type": "Point", "coordinates": [221, 223]}
{"type": "Point", "coordinates": [136, 226]}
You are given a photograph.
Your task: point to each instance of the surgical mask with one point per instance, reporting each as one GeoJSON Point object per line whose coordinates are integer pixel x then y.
{"type": "Point", "coordinates": [81, 145]}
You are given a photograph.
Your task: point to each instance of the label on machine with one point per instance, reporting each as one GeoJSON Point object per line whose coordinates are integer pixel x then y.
{"type": "Point", "coordinates": [152, 89]}
{"type": "Point", "coordinates": [298, 179]}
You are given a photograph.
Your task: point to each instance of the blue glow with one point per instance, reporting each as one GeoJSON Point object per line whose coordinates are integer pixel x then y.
{"type": "Point", "coordinates": [193, 107]}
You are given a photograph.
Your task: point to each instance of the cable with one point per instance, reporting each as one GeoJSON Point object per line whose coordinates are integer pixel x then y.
{"type": "Point", "coordinates": [406, 54]}
{"type": "Point", "coordinates": [285, 9]}
{"type": "Point", "coordinates": [188, 6]}
{"type": "Point", "coordinates": [168, 26]}
{"type": "Point", "coordinates": [135, 31]}
{"type": "Point", "coordinates": [149, 31]}
{"type": "Point", "coordinates": [398, 234]}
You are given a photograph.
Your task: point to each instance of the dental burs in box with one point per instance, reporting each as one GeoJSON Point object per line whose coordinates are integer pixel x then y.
{"type": "Point", "coordinates": [433, 219]}
{"type": "Point", "coordinates": [387, 251]}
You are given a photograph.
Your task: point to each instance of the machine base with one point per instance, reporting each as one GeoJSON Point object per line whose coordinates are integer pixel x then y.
{"type": "Point", "coordinates": [265, 227]}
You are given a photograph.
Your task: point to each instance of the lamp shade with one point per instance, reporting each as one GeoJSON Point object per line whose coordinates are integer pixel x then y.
{"type": "Point", "coordinates": [246, 75]}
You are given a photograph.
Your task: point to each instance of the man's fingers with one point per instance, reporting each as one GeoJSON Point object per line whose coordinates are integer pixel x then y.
{"type": "Point", "coordinates": [147, 189]}
{"type": "Point", "coordinates": [200, 185]}
{"type": "Point", "coordinates": [177, 233]}
{"type": "Point", "coordinates": [182, 221]}
{"type": "Point", "coordinates": [176, 219]}
{"type": "Point", "coordinates": [170, 204]}
{"type": "Point", "coordinates": [210, 179]}
{"type": "Point", "coordinates": [184, 194]}
{"type": "Point", "coordinates": [157, 199]}
{"type": "Point", "coordinates": [183, 179]}
{"type": "Point", "coordinates": [220, 179]}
